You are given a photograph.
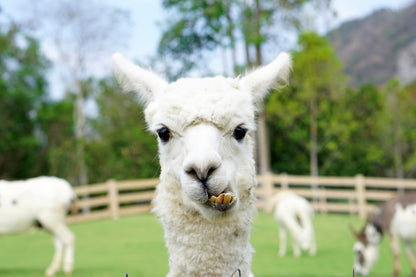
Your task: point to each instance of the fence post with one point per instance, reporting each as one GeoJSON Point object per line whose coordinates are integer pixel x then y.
{"type": "Point", "coordinates": [113, 194]}
{"type": "Point", "coordinates": [267, 188]}
{"type": "Point", "coordinates": [322, 201]}
{"type": "Point", "coordinates": [269, 185]}
{"type": "Point", "coordinates": [361, 199]}
{"type": "Point", "coordinates": [284, 183]}
{"type": "Point", "coordinates": [315, 189]}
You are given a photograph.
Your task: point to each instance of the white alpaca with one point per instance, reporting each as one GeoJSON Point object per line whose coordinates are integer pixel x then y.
{"type": "Point", "coordinates": [206, 196]}
{"type": "Point", "coordinates": [42, 199]}
{"type": "Point", "coordinates": [294, 215]}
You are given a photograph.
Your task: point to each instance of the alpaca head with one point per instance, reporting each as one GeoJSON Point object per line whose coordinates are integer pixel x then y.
{"type": "Point", "coordinates": [366, 247]}
{"type": "Point", "coordinates": [205, 131]}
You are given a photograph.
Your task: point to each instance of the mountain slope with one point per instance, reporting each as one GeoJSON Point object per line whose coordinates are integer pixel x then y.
{"type": "Point", "coordinates": [378, 47]}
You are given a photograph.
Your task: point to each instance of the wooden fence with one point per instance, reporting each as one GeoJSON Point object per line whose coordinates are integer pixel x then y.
{"type": "Point", "coordinates": [354, 195]}
{"type": "Point", "coordinates": [113, 199]}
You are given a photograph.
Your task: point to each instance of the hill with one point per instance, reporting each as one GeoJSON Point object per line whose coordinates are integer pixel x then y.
{"type": "Point", "coordinates": [378, 47]}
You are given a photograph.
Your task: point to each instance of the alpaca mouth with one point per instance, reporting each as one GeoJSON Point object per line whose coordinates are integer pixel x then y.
{"type": "Point", "coordinates": [222, 202]}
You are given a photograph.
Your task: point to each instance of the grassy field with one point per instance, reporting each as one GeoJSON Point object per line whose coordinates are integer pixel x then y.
{"type": "Point", "coordinates": [135, 245]}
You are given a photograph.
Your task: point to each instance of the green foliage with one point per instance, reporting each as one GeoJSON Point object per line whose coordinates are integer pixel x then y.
{"type": "Point", "coordinates": [316, 83]}
{"type": "Point", "coordinates": [37, 134]}
{"type": "Point", "coordinates": [366, 130]}
{"type": "Point", "coordinates": [408, 107]}
{"type": "Point", "coordinates": [122, 148]}
{"type": "Point", "coordinates": [288, 131]}
{"type": "Point", "coordinates": [196, 27]}
{"type": "Point", "coordinates": [359, 123]}
{"type": "Point", "coordinates": [22, 86]}
{"type": "Point", "coordinates": [398, 128]}
{"type": "Point", "coordinates": [56, 121]}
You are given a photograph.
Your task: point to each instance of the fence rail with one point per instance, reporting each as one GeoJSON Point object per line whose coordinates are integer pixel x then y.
{"type": "Point", "coordinates": [357, 195]}
{"type": "Point", "coordinates": [354, 195]}
{"type": "Point", "coordinates": [114, 199]}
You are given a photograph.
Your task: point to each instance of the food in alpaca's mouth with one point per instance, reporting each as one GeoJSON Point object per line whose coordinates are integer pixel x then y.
{"type": "Point", "coordinates": [223, 198]}
{"type": "Point", "coordinates": [222, 202]}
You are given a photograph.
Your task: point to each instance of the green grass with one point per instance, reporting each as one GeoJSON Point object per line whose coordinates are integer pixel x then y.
{"type": "Point", "coordinates": [135, 245]}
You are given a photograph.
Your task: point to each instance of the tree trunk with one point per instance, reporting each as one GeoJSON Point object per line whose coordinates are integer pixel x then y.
{"type": "Point", "coordinates": [314, 139]}
{"type": "Point", "coordinates": [246, 35]}
{"type": "Point", "coordinates": [314, 148]}
{"type": "Point", "coordinates": [257, 12]}
{"type": "Point", "coordinates": [262, 134]}
{"type": "Point", "coordinates": [398, 159]}
{"type": "Point", "coordinates": [230, 34]}
{"type": "Point", "coordinates": [82, 175]}
{"type": "Point", "coordinates": [397, 144]}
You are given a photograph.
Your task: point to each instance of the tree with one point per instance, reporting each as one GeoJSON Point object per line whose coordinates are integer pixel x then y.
{"type": "Point", "coordinates": [121, 145]}
{"type": "Point", "coordinates": [197, 26]}
{"type": "Point", "coordinates": [56, 123]}
{"type": "Point", "coordinates": [393, 92]}
{"type": "Point", "coordinates": [320, 80]}
{"type": "Point", "coordinates": [399, 128]}
{"type": "Point", "coordinates": [408, 100]}
{"type": "Point", "coordinates": [358, 146]}
{"type": "Point", "coordinates": [22, 89]}
{"type": "Point", "coordinates": [79, 34]}
{"type": "Point", "coordinates": [317, 83]}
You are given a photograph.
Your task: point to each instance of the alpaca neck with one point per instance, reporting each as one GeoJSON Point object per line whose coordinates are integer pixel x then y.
{"type": "Point", "coordinates": [201, 247]}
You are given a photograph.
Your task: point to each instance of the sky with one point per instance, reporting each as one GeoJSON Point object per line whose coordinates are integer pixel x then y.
{"type": "Point", "coordinates": [146, 16]}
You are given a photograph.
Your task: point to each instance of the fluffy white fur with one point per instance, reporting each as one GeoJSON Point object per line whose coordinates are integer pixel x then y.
{"type": "Point", "coordinates": [294, 215]}
{"type": "Point", "coordinates": [47, 200]}
{"type": "Point", "coordinates": [203, 158]}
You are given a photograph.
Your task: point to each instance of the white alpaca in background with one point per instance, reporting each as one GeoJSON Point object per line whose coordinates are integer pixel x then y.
{"type": "Point", "coordinates": [294, 215]}
{"type": "Point", "coordinates": [206, 195]}
{"type": "Point", "coordinates": [42, 199]}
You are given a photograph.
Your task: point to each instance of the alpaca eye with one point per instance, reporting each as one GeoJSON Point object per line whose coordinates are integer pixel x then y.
{"type": "Point", "coordinates": [164, 134]}
{"type": "Point", "coordinates": [239, 133]}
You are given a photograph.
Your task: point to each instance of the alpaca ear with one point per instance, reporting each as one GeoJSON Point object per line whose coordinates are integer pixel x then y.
{"type": "Point", "coordinates": [133, 78]}
{"type": "Point", "coordinates": [355, 233]}
{"type": "Point", "coordinates": [273, 75]}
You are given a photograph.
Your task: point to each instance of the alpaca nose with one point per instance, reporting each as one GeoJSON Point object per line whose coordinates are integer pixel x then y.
{"type": "Point", "coordinates": [202, 169]}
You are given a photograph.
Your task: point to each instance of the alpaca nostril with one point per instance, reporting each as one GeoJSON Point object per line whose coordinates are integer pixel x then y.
{"type": "Point", "coordinates": [192, 172]}
{"type": "Point", "coordinates": [200, 174]}
{"type": "Point", "coordinates": [211, 170]}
